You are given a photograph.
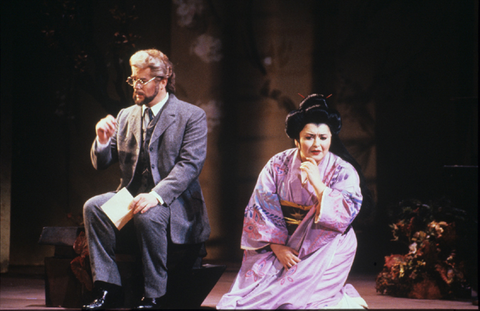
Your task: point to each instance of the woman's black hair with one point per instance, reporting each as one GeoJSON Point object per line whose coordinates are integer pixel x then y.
{"type": "Point", "coordinates": [314, 109]}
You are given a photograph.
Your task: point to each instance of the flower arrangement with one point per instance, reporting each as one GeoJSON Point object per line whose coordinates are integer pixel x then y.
{"type": "Point", "coordinates": [433, 268]}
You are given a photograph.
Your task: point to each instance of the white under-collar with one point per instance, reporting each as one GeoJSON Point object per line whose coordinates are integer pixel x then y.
{"type": "Point", "coordinates": [157, 107]}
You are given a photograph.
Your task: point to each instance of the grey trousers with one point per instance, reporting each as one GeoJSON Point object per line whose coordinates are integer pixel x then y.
{"type": "Point", "coordinates": [103, 237]}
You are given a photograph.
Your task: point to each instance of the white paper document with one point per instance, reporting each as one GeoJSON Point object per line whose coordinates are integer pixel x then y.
{"type": "Point", "coordinates": [117, 208]}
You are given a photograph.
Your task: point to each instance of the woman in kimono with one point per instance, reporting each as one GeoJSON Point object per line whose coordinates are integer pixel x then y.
{"type": "Point", "coordinates": [297, 237]}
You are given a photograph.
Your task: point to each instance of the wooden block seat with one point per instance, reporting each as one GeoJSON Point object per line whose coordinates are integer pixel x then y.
{"type": "Point", "coordinates": [185, 288]}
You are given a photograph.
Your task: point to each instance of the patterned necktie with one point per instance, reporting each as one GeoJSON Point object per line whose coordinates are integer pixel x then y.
{"type": "Point", "coordinates": [145, 177]}
{"type": "Point", "coordinates": [147, 118]}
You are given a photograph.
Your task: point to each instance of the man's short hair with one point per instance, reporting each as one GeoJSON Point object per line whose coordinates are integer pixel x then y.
{"type": "Point", "coordinates": [158, 63]}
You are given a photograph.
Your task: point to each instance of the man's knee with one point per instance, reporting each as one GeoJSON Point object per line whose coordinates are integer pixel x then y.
{"type": "Point", "coordinates": [157, 217]}
{"type": "Point", "coordinates": [89, 209]}
{"type": "Point", "coordinates": [92, 206]}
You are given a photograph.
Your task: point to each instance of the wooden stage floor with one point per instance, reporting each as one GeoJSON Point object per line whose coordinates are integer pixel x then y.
{"type": "Point", "coordinates": [22, 288]}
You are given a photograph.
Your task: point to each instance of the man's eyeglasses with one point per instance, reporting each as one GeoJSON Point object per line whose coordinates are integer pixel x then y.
{"type": "Point", "coordinates": [132, 81]}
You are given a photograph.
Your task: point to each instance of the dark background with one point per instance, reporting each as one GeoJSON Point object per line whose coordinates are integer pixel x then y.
{"type": "Point", "coordinates": [416, 60]}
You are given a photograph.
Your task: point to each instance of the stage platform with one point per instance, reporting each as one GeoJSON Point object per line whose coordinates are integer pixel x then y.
{"type": "Point", "coordinates": [23, 288]}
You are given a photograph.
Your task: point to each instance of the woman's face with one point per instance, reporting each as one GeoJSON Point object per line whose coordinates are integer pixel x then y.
{"type": "Point", "coordinates": [314, 141]}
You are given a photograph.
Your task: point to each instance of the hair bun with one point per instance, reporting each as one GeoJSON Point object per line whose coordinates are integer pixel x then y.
{"type": "Point", "coordinates": [313, 109]}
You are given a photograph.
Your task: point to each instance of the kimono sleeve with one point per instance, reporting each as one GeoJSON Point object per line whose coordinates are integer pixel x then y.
{"type": "Point", "coordinates": [341, 200]}
{"type": "Point", "coordinates": [263, 218]}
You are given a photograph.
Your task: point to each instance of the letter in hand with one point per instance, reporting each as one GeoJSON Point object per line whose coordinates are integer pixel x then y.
{"type": "Point", "coordinates": [286, 255]}
{"type": "Point", "coordinates": [105, 128]}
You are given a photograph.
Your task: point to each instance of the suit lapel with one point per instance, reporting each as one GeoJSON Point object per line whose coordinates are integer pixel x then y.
{"type": "Point", "coordinates": [167, 117]}
{"type": "Point", "coordinates": [136, 124]}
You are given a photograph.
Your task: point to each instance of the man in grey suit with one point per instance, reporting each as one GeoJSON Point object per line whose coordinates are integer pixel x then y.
{"type": "Point", "coordinates": [160, 144]}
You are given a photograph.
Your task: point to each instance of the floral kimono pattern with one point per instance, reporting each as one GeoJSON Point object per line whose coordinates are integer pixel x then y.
{"type": "Point", "coordinates": [321, 235]}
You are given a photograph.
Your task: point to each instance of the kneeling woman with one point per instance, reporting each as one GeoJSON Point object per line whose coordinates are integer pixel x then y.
{"type": "Point", "coordinates": [297, 236]}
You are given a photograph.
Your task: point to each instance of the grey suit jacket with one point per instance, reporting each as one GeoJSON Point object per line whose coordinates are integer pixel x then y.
{"type": "Point", "coordinates": [177, 152]}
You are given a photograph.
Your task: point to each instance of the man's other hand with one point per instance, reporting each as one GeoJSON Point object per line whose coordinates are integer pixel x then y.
{"type": "Point", "coordinates": [143, 202]}
{"type": "Point", "coordinates": [105, 129]}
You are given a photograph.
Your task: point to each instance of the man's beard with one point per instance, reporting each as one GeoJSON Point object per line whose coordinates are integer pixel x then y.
{"type": "Point", "coordinates": [147, 99]}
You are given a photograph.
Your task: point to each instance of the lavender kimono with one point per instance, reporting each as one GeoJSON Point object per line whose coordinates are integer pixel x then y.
{"type": "Point", "coordinates": [325, 245]}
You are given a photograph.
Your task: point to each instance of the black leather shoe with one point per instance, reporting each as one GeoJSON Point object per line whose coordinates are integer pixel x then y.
{"type": "Point", "coordinates": [106, 297]}
{"type": "Point", "coordinates": [149, 303]}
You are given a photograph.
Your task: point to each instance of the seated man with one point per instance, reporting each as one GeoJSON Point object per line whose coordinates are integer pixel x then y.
{"type": "Point", "coordinates": [160, 144]}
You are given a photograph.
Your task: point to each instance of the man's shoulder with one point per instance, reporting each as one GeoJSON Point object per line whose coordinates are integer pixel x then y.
{"type": "Point", "coordinates": [127, 111]}
{"type": "Point", "coordinates": [185, 106]}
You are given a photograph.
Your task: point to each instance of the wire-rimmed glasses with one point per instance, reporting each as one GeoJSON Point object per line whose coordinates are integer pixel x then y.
{"type": "Point", "coordinates": [132, 81]}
